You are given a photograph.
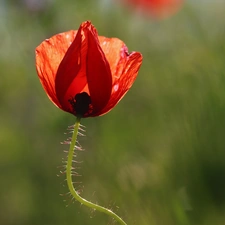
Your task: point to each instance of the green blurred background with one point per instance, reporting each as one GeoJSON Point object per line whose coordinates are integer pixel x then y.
{"type": "Point", "coordinates": [158, 158]}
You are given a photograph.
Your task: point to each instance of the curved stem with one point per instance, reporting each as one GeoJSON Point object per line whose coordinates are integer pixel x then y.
{"type": "Point", "coordinates": [70, 182]}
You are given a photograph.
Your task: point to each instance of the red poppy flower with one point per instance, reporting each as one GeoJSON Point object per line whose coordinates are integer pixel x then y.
{"type": "Point", "coordinates": [156, 8]}
{"type": "Point", "coordinates": [86, 74]}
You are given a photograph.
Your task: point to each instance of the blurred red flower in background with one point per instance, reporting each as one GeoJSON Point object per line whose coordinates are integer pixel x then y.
{"type": "Point", "coordinates": [156, 8]}
{"type": "Point", "coordinates": [86, 74]}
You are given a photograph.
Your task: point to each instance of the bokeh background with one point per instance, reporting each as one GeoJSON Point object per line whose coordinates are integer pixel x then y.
{"type": "Point", "coordinates": [158, 158]}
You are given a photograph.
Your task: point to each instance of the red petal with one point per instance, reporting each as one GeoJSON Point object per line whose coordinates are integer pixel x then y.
{"type": "Point", "coordinates": [113, 49]}
{"type": "Point", "coordinates": [156, 8]}
{"type": "Point", "coordinates": [124, 68]}
{"type": "Point", "coordinates": [99, 76]}
{"type": "Point", "coordinates": [48, 57]}
{"type": "Point", "coordinates": [84, 64]}
{"type": "Point", "coordinates": [71, 74]}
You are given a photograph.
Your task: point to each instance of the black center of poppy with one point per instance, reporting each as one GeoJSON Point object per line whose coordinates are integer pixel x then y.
{"type": "Point", "coordinates": [81, 103]}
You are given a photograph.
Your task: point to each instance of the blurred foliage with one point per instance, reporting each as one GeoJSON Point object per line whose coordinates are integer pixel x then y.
{"type": "Point", "coordinates": [157, 158]}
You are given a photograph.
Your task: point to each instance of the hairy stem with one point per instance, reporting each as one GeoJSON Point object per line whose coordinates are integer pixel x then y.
{"type": "Point", "coordinates": [70, 182]}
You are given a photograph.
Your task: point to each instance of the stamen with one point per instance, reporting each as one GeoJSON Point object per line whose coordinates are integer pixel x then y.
{"type": "Point", "coordinates": [81, 104]}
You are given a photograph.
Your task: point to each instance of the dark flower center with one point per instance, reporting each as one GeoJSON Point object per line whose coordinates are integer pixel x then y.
{"type": "Point", "coordinates": [81, 103]}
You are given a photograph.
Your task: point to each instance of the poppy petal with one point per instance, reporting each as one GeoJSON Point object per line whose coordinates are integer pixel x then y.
{"type": "Point", "coordinates": [113, 49]}
{"type": "Point", "coordinates": [71, 75]}
{"type": "Point", "coordinates": [123, 82]}
{"type": "Point", "coordinates": [84, 68]}
{"type": "Point", "coordinates": [156, 8]}
{"type": "Point", "coordinates": [98, 72]}
{"type": "Point", "coordinates": [48, 56]}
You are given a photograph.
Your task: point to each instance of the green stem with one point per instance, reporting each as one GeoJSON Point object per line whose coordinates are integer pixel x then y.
{"type": "Point", "coordinates": [70, 182]}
